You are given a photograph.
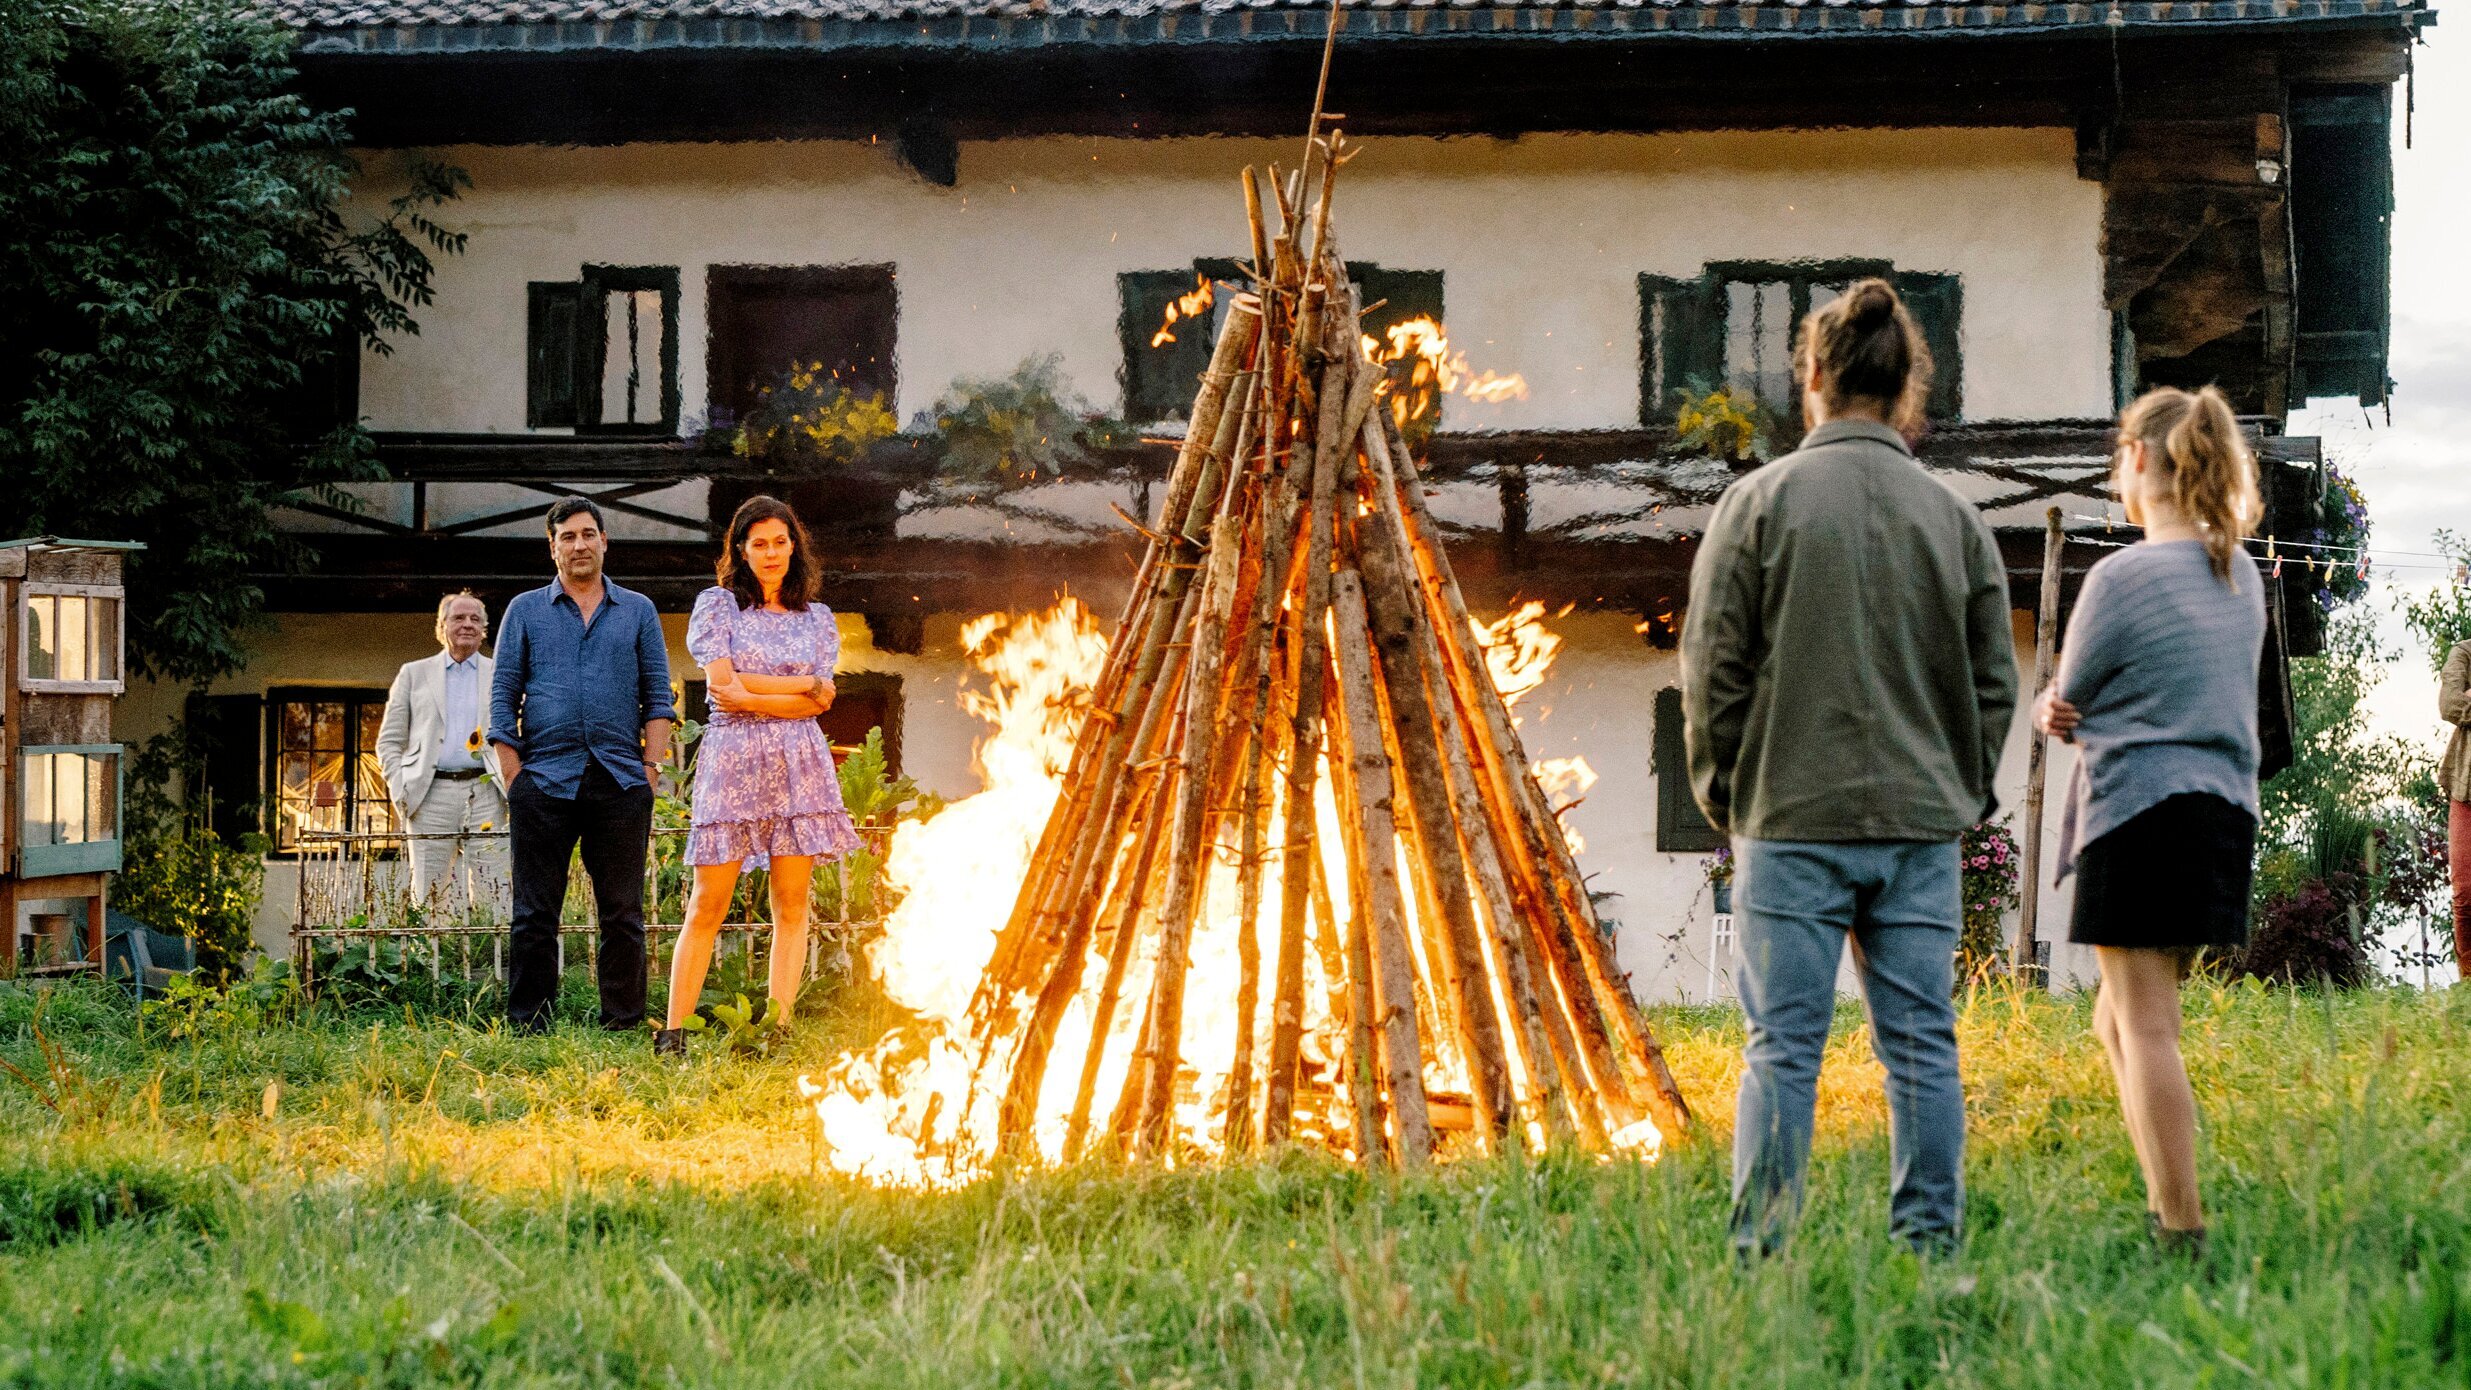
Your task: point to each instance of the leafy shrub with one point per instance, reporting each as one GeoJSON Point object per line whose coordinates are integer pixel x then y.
{"type": "Point", "coordinates": [2311, 936]}
{"type": "Point", "coordinates": [177, 875]}
{"type": "Point", "coordinates": [809, 413]}
{"type": "Point", "coordinates": [1991, 862]}
{"type": "Point", "coordinates": [192, 1009]}
{"type": "Point", "coordinates": [1714, 421]}
{"type": "Point", "coordinates": [1018, 428]}
{"type": "Point", "coordinates": [433, 978]}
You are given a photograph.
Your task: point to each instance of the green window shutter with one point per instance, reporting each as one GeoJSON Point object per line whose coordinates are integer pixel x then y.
{"type": "Point", "coordinates": [553, 317]}
{"type": "Point", "coordinates": [1159, 380]}
{"type": "Point", "coordinates": [1680, 829]}
{"type": "Point", "coordinates": [1411, 294]}
{"type": "Point", "coordinates": [228, 763]}
{"type": "Point", "coordinates": [1681, 342]}
{"type": "Point", "coordinates": [1937, 303]}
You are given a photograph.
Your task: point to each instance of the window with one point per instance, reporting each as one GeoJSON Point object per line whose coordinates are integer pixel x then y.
{"type": "Point", "coordinates": [322, 767]}
{"type": "Point", "coordinates": [601, 353]}
{"type": "Point", "coordinates": [765, 320]}
{"type": "Point", "coordinates": [69, 809]}
{"type": "Point", "coordinates": [1680, 829]}
{"type": "Point", "coordinates": [1733, 326]}
{"type": "Point", "coordinates": [226, 774]}
{"type": "Point", "coordinates": [1164, 357]}
{"type": "Point", "coordinates": [72, 639]}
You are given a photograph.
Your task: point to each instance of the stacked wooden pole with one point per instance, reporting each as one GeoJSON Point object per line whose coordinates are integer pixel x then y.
{"type": "Point", "coordinates": [1295, 619]}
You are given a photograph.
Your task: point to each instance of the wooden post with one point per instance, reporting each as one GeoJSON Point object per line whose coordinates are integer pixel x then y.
{"type": "Point", "coordinates": [1371, 839]}
{"type": "Point", "coordinates": [1576, 916]}
{"type": "Point", "coordinates": [2037, 751]}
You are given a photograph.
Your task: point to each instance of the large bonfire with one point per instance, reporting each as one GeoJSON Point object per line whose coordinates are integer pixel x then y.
{"type": "Point", "coordinates": [1297, 880]}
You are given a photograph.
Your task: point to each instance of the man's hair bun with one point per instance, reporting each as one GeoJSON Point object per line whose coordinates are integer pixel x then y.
{"type": "Point", "coordinates": [1864, 348]}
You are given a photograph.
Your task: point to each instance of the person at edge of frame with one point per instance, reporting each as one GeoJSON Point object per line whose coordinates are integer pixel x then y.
{"type": "Point", "coordinates": [2454, 779]}
{"type": "Point", "coordinates": [580, 718]}
{"type": "Point", "coordinates": [1848, 679]}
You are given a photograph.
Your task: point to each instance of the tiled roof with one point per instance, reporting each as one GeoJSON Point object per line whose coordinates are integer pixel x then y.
{"type": "Point", "coordinates": [539, 25]}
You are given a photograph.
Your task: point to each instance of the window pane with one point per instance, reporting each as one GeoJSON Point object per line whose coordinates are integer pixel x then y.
{"type": "Point", "coordinates": [292, 733]}
{"type": "Point", "coordinates": [42, 637]}
{"type": "Point", "coordinates": [106, 638]}
{"type": "Point", "coordinates": [631, 364]}
{"type": "Point", "coordinates": [1759, 342]}
{"type": "Point", "coordinates": [68, 799]}
{"type": "Point", "coordinates": [74, 646]}
{"type": "Point", "coordinates": [103, 796]}
{"type": "Point", "coordinates": [372, 812]}
{"type": "Point", "coordinates": [369, 718]}
{"type": "Point", "coordinates": [38, 797]}
{"type": "Point", "coordinates": [326, 720]}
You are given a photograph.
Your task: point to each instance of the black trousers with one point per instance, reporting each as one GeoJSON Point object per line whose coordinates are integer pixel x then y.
{"type": "Point", "coordinates": [614, 826]}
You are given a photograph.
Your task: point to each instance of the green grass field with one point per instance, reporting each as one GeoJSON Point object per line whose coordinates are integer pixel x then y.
{"type": "Point", "coordinates": [386, 1202]}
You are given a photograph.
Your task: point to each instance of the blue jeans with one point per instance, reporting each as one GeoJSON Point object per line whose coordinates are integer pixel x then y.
{"type": "Point", "coordinates": [1795, 902]}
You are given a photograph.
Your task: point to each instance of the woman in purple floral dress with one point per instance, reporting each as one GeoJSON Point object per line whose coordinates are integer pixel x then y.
{"type": "Point", "coordinates": [766, 792]}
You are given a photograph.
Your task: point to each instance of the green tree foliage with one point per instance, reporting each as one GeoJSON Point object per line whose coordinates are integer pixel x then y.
{"type": "Point", "coordinates": [2441, 616]}
{"type": "Point", "coordinates": [180, 297]}
{"type": "Point", "coordinates": [2334, 759]}
{"type": "Point", "coordinates": [177, 875]}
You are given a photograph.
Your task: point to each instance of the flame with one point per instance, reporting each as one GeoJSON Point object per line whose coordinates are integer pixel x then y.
{"type": "Point", "coordinates": [1565, 782]}
{"type": "Point", "coordinates": [1187, 306]}
{"type": "Point", "coordinates": [909, 1111]}
{"type": "Point", "coordinates": [881, 1110]}
{"type": "Point", "coordinates": [1518, 649]}
{"type": "Point", "coordinates": [1435, 371]}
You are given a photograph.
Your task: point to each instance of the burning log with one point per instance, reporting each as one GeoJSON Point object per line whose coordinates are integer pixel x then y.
{"type": "Point", "coordinates": [1295, 703]}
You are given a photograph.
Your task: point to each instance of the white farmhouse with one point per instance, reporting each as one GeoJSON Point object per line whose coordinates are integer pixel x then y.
{"type": "Point", "coordinates": [1616, 203]}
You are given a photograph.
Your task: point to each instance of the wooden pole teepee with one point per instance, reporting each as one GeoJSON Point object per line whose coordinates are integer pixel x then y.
{"type": "Point", "coordinates": [1295, 632]}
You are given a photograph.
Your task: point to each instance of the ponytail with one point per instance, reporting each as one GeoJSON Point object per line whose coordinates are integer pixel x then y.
{"type": "Point", "coordinates": [1866, 351]}
{"type": "Point", "coordinates": [2196, 440]}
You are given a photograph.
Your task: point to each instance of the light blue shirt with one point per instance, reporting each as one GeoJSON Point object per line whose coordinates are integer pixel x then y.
{"type": "Point", "coordinates": [567, 694]}
{"type": "Point", "coordinates": [463, 715]}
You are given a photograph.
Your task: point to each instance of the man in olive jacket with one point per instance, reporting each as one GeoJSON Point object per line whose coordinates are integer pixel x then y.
{"type": "Point", "coordinates": [1847, 683]}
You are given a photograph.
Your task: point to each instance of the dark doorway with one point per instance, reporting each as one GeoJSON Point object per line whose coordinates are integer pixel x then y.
{"type": "Point", "coordinates": [766, 318]}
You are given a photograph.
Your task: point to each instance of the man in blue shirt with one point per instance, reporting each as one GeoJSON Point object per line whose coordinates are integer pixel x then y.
{"type": "Point", "coordinates": [579, 715]}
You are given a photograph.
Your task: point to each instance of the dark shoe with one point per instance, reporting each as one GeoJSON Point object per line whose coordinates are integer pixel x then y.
{"type": "Point", "coordinates": [528, 1027]}
{"type": "Point", "coordinates": [669, 1042]}
{"type": "Point", "coordinates": [2187, 1245]}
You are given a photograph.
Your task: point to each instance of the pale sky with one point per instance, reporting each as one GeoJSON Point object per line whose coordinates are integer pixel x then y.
{"type": "Point", "coordinates": [2414, 470]}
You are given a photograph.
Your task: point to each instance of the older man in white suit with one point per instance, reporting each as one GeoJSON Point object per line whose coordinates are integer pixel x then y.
{"type": "Point", "coordinates": [430, 745]}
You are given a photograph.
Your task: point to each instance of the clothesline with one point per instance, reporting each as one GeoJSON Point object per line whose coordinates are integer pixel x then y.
{"type": "Point", "coordinates": [2367, 556]}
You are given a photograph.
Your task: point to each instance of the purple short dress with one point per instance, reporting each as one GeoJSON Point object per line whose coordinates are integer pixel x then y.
{"type": "Point", "coordinates": [764, 786]}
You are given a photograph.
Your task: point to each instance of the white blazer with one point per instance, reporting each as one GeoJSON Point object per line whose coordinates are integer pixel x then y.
{"type": "Point", "coordinates": [415, 721]}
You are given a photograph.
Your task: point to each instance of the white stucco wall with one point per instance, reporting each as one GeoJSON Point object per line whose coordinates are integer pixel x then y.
{"type": "Point", "coordinates": [1540, 240]}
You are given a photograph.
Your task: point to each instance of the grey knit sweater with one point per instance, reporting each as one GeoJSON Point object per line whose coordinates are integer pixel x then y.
{"type": "Point", "coordinates": [2161, 662]}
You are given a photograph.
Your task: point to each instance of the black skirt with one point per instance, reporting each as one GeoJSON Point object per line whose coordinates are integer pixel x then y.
{"type": "Point", "coordinates": [2175, 876]}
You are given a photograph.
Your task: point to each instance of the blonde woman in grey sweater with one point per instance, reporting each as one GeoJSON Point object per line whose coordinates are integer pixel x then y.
{"type": "Point", "coordinates": [2158, 688]}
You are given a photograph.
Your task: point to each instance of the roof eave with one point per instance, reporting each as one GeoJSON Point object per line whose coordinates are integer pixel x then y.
{"type": "Point", "coordinates": [1252, 26]}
